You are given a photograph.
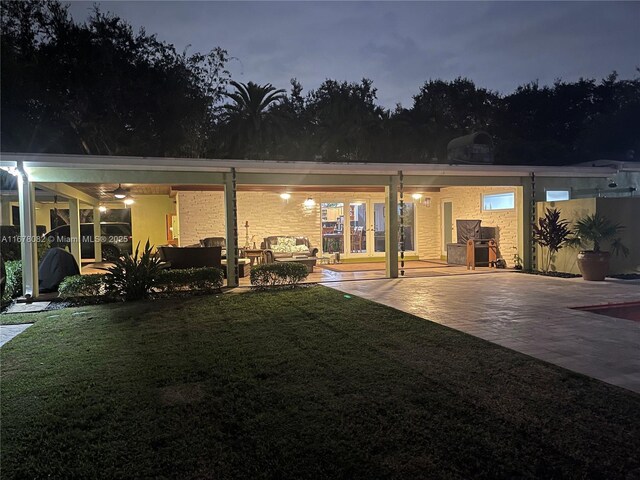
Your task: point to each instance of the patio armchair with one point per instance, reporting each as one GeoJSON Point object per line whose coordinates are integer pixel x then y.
{"type": "Point", "coordinates": [215, 242]}
{"type": "Point", "coordinates": [284, 246]}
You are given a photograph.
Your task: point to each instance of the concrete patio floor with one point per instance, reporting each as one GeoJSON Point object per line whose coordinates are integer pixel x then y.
{"type": "Point", "coordinates": [528, 313]}
{"type": "Point", "coordinates": [8, 332]}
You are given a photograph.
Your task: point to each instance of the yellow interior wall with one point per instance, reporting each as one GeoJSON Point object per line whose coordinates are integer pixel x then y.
{"type": "Point", "coordinates": [148, 217]}
{"type": "Point", "coordinates": [43, 215]}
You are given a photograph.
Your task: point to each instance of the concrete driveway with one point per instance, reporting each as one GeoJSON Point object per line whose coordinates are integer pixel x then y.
{"type": "Point", "coordinates": [527, 313]}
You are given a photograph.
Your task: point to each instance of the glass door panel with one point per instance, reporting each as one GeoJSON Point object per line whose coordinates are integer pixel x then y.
{"type": "Point", "coordinates": [409, 227]}
{"type": "Point", "coordinates": [358, 218]}
{"type": "Point", "coordinates": [332, 227]}
{"type": "Point", "coordinates": [378, 227]}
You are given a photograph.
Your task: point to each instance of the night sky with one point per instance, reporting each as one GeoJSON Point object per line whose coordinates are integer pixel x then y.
{"type": "Point", "coordinates": [399, 45]}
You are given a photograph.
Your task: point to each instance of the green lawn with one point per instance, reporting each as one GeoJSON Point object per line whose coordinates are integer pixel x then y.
{"type": "Point", "coordinates": [295, 384]}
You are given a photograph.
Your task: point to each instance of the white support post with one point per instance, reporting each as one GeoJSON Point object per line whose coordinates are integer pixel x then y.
{"type": "Point", "coordinates": [74, 230]}
{"type": "Point", "coordinates": [97, 234]}
{"type": "Point", "coordinates": [29, 247]}
{"type": "Point", "coordinates": [231, 219]}
{"type": "Point", "coordinates": [391, 227]}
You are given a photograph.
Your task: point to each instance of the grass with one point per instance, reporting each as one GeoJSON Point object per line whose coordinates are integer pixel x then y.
{"type": "Point", "coordinates": [295, 384]}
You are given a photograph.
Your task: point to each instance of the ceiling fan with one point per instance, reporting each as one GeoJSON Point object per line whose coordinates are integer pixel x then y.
{"type": "Point", "coordinates": [120, 192]}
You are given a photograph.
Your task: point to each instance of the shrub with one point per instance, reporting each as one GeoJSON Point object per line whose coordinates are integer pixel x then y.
{"type": "Point", "coordinates": [132, 277]}
{"type": "Point", "coordinates": [207, 279]}
{"type": "Point", "coordinates": [13, 287]}
{"type": "Point", "coordinates": [274, 274]}
{"type": "Point", "coordinates": [551, 233]}
{"type": "Point", "coordinates": [82, 286]}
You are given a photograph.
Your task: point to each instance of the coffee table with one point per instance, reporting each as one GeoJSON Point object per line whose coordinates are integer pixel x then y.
{"type": "Point", "coordinates": [308, 262]}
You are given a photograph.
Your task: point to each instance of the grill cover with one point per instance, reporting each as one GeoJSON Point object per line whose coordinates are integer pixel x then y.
{"type": "Point", "coordinates": [56, 265]}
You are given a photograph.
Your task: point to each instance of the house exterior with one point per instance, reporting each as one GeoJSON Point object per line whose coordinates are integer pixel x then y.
{"type": "Point", "coordinates": [354, 210]}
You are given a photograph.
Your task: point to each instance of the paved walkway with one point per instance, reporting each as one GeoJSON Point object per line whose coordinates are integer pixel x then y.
{"type": "Point", "coordinates": [527, 313]}
{"type": "Point", "coordinates": [7, 332]}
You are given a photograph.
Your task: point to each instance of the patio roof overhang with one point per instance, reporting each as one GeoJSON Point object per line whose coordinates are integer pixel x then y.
{"type": "Point", "coordinates": [202, 171]}
{"type": "Point", "coordinates": [65, 174]}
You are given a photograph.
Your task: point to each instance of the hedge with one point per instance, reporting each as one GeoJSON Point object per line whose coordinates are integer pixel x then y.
{"type": "Point", "coordinates": [277, 274]}
{"type": "Point", "coordinates": [167, 281]}
{"type": "Point", "coordinates": [207, 279]}
{"type": "Point", "coordinates": [13, 287]}
{"type": "Point", "coordinates": [82, 286]}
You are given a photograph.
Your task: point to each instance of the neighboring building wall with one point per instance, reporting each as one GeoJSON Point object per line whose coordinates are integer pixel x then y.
{"type": "Point", "coordinates": [148, 219]}
{"type": "Point", "coordinates": [467, 205]}
{"type": "Point", "coordinates": [625, 211]}
{"type": "Point", "coordinates": [619, 210]}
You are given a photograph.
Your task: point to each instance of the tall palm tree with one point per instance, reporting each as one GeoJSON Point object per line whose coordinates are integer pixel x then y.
{"type": "Point", "coordinates": [249, 119]}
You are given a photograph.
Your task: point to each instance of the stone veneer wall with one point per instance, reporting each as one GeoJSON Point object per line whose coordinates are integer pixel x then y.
{"type": "Point", "coordinates": [201, 214]}
{"type": "Point", "coordinates": [429, 224]}
{"type": "Point", "coordinates": [467, 205]}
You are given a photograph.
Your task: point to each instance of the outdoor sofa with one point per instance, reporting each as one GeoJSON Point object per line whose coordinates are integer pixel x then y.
{"type": "Point", "coordinates": [286, 246]}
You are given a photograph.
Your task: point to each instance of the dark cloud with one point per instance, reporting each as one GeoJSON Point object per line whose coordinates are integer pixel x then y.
{"type": "Point", "coordinates": [400, 45]}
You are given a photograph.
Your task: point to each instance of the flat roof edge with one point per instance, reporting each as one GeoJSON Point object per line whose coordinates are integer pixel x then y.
{"type": "Point", "coordinates": [100, 162]}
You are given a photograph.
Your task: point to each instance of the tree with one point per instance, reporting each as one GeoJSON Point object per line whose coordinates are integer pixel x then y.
{"type": "Point", "coordinates": [444, 110]}
{"type": "Point", "coordinates": [100, 88]}
{"type": "Point", "coordinates": [250, 128]}
{"type": "Point", "coordinates": [344, 121]}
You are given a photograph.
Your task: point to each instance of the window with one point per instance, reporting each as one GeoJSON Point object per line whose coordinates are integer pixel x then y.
{"type": "Point", "coordinates": [557, 195]}
{"type": "Point", "coordinates": [498, 201]}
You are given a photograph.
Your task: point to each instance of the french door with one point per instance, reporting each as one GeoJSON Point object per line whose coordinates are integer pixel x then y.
{"type": "Point", "coordinates": [355, 228]}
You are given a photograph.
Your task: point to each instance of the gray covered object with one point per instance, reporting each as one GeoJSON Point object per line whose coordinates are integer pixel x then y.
{"type": "Point", "coordinates": [56, 265]}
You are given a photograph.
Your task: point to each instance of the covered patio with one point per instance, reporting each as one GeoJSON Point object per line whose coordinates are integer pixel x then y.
{"type": "Point", "coordinates": [244, 201]}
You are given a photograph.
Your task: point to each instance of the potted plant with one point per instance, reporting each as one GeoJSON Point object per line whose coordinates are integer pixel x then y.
{"type": "Point", "coordinates": [517, 260]}
{"type": "Point", "coordinates": [590, 233]}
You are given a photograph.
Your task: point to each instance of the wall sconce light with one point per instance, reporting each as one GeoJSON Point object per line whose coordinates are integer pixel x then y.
{"type": "Point", "coordinates": [285, 196]}
{"type": "Point", "coordinates": [128, 201]}
{"type": "Point", "coordinates": [309, 202]}
{"type": "Point", "coordinates": [102, 208]}
{"type": "Point", "coordinates": [416, 196]}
